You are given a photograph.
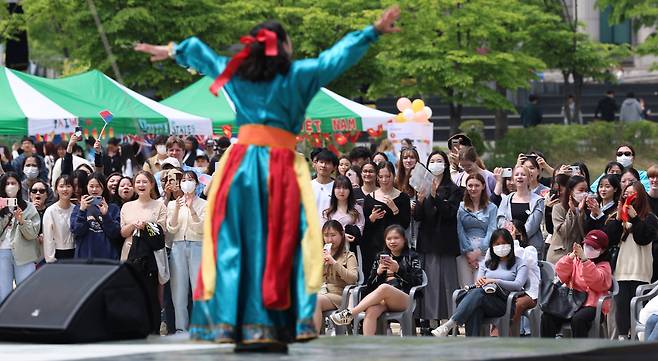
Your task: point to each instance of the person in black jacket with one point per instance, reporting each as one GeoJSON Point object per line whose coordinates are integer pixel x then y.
{"type": "Point", "coordinates": [111, 161]}
{"type": "Point", "coordinates": [599, 209]}
{"type": "Point", "coordinates": [438, 244]}
{"type": "Point", "coordinates": [607, 107]}
{"type": "Point", "coordinates": [395, 271]}
{"type": "Point", "coordinates": [383, 207]}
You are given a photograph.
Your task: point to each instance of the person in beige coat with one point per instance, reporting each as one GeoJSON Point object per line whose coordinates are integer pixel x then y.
{"type": "Point", "coordinates": [340, 270]}
{"type": "Point", "coordinates": [568, 219]}
{"type": "Point", "coordinates": [19, 228]}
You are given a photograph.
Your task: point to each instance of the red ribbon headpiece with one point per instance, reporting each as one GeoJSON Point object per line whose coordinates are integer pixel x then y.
{"type": "Point", "coordinates": [263, 36]}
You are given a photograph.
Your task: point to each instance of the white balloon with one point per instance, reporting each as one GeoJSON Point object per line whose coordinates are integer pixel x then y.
{"type": "Point", "coordinates": [428, 111]}
{"type": "Point", "coordinates": [408, 113]}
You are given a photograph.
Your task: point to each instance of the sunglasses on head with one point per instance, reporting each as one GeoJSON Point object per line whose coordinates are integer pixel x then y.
{"type": "Point", "coordinates": [407, 148]}
{"type": "Point", "coordinates": [38, 190]}
{"type": "Point", "coordinates": [628, 154]}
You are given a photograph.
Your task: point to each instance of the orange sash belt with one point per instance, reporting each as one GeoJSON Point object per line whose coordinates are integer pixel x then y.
{"type": "Point", "coordinates": [265, 135]}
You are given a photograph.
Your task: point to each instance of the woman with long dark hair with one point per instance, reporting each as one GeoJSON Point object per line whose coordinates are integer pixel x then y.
{"type": "Point", "coordinates": [393, 273]}
{"type": "Point", "coordinates": [568, 219]}
{"type": "Point", "coordinates": [269, 186]}
{"type": "Point", "coordinates": [369, 178]}
{"type": "Point", "coordinates": [501, 273]}
{"type": "Point", "coordinates": [634, 229]}
{"type": "Point", "coordinates": [438, 244]}
{"type": "Point", "coordinates": [384, 207]}
{"type": "Point", "coordinates": [343, 208]}
{"type": "Point", "coordinates": [19, 229]}
{"type": "Point", "coordinates": [599, 209]}
{"type": "Point", "coordinates": [58, 240]}
{"type": "Point", "coordinates": [95, 222]}
{"type": "Point", "coordinates": [340, 270]}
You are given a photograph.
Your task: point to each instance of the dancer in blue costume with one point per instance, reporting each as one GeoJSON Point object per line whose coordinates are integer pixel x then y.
{"type": "Point", "coordinates": [262, 249]}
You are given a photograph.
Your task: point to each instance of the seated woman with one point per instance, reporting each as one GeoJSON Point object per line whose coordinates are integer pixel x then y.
{"type": "Point", "coordinates": [501, 273]}
{"type": "Point", "coordinates": [649, 318]}
{"type": "Point", "coordinates": [394, 272]}
{"type": "Point", "coordinates": [340, 270]}
{"type": "Point", "coordinates": [588, 270]}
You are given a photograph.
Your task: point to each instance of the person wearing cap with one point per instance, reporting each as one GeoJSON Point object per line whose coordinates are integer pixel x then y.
{"type": "Point", "coordinates": [586, 269]}
{"type": "Point", "coordinates": [175, 152]}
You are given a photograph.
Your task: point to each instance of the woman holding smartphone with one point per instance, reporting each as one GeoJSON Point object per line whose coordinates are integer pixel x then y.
{"type": "Point", "coordinates": [58, 240]}
{"type": "Point", "coordinates": [383, 207]}
{"type": "Point", "coordinates": [343, 208]}
{"type": "Point", "coordinates": [95, 223]}
{"type": "Point", "coordinates": [394, 272]}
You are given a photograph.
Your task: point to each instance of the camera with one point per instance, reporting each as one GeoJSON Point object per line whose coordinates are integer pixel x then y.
{"type": "Point", "coordinates": [507, 173]}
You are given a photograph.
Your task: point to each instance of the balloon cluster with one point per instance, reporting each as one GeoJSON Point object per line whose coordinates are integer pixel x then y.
{"type": "Point", "coordinates": [416, 111]}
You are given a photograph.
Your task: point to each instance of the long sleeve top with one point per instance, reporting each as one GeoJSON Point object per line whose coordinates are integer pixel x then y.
{"type": "Point", "coordinates": [474, 229]}
{"type": "Point", "coordinates": [21, 238]}
{"type": "Point", "coordinates": [286, 96]}
{"type": "Point", "coordinates": [586, 276]}
{"type": "Point", "coordinates": [568, 227]}
{"type": "Point", "coordinates": [56, 231]}
{"type": "Point", "coordinates": [511, 279]}
{"type": "Point", "coordinates": [342, 273]}
{"type": "Point", "coordinates": [94, 233]}
{"type": "Point", "coordinates": [532, 224]}
{"type": "Point", "coordinates": [437, 232]}
{"type": "Point", "coordinates": [636, 241]}
{"type": "Point", "coordinates": [186, 229]}
{"type": "Point", "coordinates": [409, 274]}
{"type": "Point", "coordinates": [134, 211]}
{"type": "Point", "coordinates": [529, 256]}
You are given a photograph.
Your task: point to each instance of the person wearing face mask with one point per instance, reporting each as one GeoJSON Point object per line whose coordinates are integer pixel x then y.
{"type": "Point", "coordinates": [626, 156]}
{"type": "Point", "coordinates": [27, 146]}
{"type": "Point", "coordinates": [31, 171]}
{"type": "Point", "coordinates": [147, 208]}
{"type": "Point", "coordinates": [585, 269]}
{"type": "Point", "coordinates": [498, 275]}
{"type": "Point", "coordinates": [58, 242]}
{"type": "Point", "coordinates": [568, 218]}
{"type": "Point", "coordinates": [19, 229]}
{"type": "Point", "coordinates": [185, 227]}
{"type": "Point", "coordinates": [634, 228]}
{"type": "Point", "coordinates": [438, 243]}
{"type": "Point", "coordinates": [154, 164]}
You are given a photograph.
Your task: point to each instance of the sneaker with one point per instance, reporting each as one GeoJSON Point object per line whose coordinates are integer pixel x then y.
{"type": "Point", "coordinates": [441, 331]}
{"type": "Point", "coordinates": [341, 318]}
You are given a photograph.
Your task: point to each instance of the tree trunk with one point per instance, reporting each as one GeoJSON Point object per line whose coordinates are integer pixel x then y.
{"type": "Point", "coordinates": [565, 102]}
{"type": "Point", "coordinates": [455, 117]}
{"type": "Point", "coordinates": [501, 116]}
{"type": "Point", "coordinates": [578, 92]}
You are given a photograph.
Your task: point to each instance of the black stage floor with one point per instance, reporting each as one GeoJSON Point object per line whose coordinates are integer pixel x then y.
{"type": "Point", "coordinates": [348, 348]}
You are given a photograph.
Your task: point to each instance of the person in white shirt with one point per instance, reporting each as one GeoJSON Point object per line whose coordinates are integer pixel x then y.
{"type": "Point", "coordinates": [325, 164]}
{"type": "Point", "coordinates": [58, 242]}
{"type": "Point", "coordinates": [343, 208]}
{"type": "Point", "coordinates": [185, 226]}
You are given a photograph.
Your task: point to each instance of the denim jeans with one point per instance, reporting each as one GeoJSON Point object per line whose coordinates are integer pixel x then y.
{"type": "Point", "coordinates": [184, 267]}
{"type": "Point", "coordinates": [475, 307]}
{"type": "Point", "coordinates": [651, 329]}
{"type": "Point", "coordinates": [9, 272]}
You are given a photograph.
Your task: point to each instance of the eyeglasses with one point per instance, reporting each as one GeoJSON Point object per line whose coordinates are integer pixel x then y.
{"type": "Point", "coordinates": [38, 190]}
{"type": "Point", "coordinates": [628, 154]}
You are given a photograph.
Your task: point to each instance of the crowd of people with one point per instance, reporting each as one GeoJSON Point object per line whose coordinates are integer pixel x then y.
{"type": "Point", "coordinates": [131, 201]}
{"type": "Point", "coordinates": [475, 228]}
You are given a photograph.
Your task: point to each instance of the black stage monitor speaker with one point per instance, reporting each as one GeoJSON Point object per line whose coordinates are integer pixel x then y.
{"type": "Point", "coordinates": [78, 302]}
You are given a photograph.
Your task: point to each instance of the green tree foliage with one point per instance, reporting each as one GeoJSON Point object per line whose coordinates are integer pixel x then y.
{"type": "Point", "coordinates": [642, 13]}
{"type": "Point", "coordinates": [460, 49]}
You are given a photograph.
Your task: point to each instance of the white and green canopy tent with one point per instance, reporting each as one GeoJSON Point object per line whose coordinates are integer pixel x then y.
{"type": "Point", "coordinates": [328, 112]}
{"type": "Point", "coordinates": [33, 105]}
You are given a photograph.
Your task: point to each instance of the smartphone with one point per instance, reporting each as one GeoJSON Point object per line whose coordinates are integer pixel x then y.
{"type": "Point", "coordinates": [379, 208]}
{"type": "Point", "coordinates": [327, 247]}
{"type": "Point", "coordinates": [97, 201]}
{"type": "Point", "coordinates": [507, 173]}
{"type": "Point", "coordinates": [531, 156]}
{"type": "Point", "coordinates": [78, 132]}
{"type": "Point", "coordinates": [8, 202]}
{"type": "Point", "coordinates": [455, 143]}
{"type": "Point", "coordinates": [555, 194]}
{"type": "Point", "coordinates": [575, 169]}
{"type": "Point", "coordinates": [384, 257]}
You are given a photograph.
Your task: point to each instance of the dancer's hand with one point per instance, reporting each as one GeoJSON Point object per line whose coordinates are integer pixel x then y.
{"type": "Point", "coordinates": [386, 22]}
{"type": "Point", "coordinates": [157, 52]}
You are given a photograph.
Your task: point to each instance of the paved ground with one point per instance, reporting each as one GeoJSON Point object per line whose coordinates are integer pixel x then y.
{"type": "Point", "coordinates": [326, 348]}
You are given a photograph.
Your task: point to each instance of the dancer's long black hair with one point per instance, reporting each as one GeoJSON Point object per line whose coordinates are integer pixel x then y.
{"type": "Point", "coordinates": [260, 68]}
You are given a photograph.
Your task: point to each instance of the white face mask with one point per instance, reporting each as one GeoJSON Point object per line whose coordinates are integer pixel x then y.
{"type": "Point", "coordinates": [161, 149]}
{"type": "Point", "coordinates": [11, 190]}
{"type": "Point", "coordinates": [31, 172]}
{"type": "Point", "coordinates": [436, 168]}
{"type": "Point", "coordinates": [502, 250]}
{"type": "Point", "coordinates": [591, 252]}
{"type": "Point", "coordinates": [625, 160]}
{"type": "Point", "coordinates": [187, 186]}
{"type": "Point", "coordinates": [578, 197]}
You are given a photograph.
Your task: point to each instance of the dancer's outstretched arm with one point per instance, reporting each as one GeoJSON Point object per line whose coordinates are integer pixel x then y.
{"type": "Point", "coordinates": [191, 53]}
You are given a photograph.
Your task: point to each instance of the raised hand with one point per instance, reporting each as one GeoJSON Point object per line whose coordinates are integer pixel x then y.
{"type": "Point", "coordinates": [157, 52]}
{"type": "Point", "coordinates": [386, 22]}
